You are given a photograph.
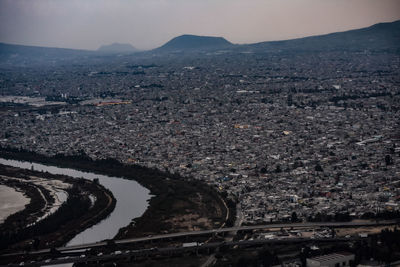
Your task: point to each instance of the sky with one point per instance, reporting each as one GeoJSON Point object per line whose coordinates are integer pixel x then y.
{"type": "Point", "coordinates": [147, 24]}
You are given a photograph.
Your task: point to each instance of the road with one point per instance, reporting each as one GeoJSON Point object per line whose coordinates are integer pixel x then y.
{"type": "Point", "coordinates": [221, 230]}
{"type": "Point", "coordinates": [239, 218]}
{"type": "Point", "coordinates": [168, 251]}
{"type": "Point", "coordinates": [238, 222]}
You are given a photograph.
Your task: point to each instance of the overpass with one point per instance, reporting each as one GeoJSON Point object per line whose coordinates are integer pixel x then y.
{"type": "Point", "coordinates": [131, 255]}
{"type": "Point", "coordinates": [212, 232]}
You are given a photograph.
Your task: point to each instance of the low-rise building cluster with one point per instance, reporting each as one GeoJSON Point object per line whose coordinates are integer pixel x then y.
{"type": "Point", "coordinates": [307, 137]}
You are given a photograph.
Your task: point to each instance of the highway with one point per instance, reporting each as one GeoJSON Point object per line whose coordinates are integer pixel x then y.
{"type": "Point", "coordinates": [215, 231]}
{"type": "Point", "coordinates": [233, 229]}
{"type": "Point", "coordinates": [168, 251]}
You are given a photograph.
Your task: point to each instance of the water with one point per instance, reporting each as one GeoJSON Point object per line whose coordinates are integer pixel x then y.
{"type": "Point", "coordinates": [132, 200]}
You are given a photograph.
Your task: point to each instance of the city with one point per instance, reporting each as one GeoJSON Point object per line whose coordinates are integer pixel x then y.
{"type": "Point", "coordinates": [187, 133]}
{"type": "Point", "coordinates": [318, 147]}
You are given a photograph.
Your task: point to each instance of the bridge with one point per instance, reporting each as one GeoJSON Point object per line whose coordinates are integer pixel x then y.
{"type": "Point", "coordinates": [210, 232]}
{"type": "Point", "coordinates": [131, 255]}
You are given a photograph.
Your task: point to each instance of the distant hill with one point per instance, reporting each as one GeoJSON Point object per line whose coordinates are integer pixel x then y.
{"type": "Point", "coordinates": [117, 48]}
{"type": "Point", "coordinates": [382, 37]}
{"type": "Point", "coordinates": [194, 42]}
{"type": "Point", "coordinates": [378, 37]}
{"type": "Point", "coordinates": [25, 55]}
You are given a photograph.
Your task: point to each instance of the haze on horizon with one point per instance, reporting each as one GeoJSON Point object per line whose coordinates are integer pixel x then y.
{"type": "Point", "coordinates": [88, 24]}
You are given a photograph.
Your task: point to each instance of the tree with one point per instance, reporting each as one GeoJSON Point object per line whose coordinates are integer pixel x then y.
{"type": "Point", "coordinates": [294, 217]}
{"type": "Point", "coordinates": [266, 258]}
{"type": "Point", "coordinates": [290, 100]}
{"type": "Point", "coordinates": [318, 168]}
{"type": "Point", "coordinates": [278, 168]}
{"type": "Point", "coordinates": [388, 160]}
{"type": "Point", "coordinates": [304, 254]}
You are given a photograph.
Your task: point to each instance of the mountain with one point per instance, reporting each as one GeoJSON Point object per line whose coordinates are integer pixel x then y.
{"type": "Point", "coordinates": [378, 37]}
{"type": "Point", "coordinates": [23, 54]}
{"type": "Point", "coordinates": [117, 48]}
{"type": "Point", "coordinates": [194, 42]}
{"type": "Point", "coordinates": [382, 37]}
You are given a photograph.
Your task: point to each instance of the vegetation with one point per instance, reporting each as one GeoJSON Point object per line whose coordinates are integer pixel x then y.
{"type": "Point", "coordinates": [74, 215]}
{"type": "Point", "coordinates": [175, 196]}
{"type": "Point", "coordinates": [18, 220]}
{"type": "Point", "coordinates": [384, 215]}
{"type": "Point", "coordinates": [338, 217]}
{"type": "Point", "coordinates": [72, 209]}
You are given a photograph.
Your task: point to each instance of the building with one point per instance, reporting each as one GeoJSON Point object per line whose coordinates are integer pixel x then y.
{"type": "Point", "coordinates": [331, 260]}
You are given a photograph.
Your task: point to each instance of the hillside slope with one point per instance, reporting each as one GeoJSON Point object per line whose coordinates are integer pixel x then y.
{"type": "Point", "coordinates": [194, 42]}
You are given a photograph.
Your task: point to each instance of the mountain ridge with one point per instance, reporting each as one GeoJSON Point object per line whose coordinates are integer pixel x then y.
{"type": "Point", "coordinates": [15, 54]}
{"type": "Point", "coordinates": [378, 37]}
{"type": "Point", "coordinates": [194, 42]}
{"type": "Point", "coordinates": [117, 48]}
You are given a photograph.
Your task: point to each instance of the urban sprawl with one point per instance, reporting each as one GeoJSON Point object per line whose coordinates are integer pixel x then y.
{"type": "Point", "coordinates": [305, 136]}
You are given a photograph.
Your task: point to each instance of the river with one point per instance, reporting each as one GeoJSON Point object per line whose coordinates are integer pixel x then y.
{"type": "Point", "coordinates": [132, 200]}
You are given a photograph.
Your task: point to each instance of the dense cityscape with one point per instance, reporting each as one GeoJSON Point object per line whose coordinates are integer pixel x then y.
{"type": "Point", "coordinates": [200, 133]}
{"type": "Point", "coordinates": [312, 134]}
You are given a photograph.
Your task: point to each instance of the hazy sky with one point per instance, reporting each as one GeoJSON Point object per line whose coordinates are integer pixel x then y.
{"type": "Point", "coordinates": [148, 24]}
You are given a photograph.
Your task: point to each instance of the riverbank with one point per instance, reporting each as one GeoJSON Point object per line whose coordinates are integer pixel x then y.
{"type": "Point", "coordinates": [12, 201]}
{"type": "Point", "coordinates": [178, 203]}
{"type": "Point", "coordinates": [74, 215]}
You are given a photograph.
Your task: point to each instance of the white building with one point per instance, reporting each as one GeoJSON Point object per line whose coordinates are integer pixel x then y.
{"type": "Point", "coordinates": [331, 260]}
